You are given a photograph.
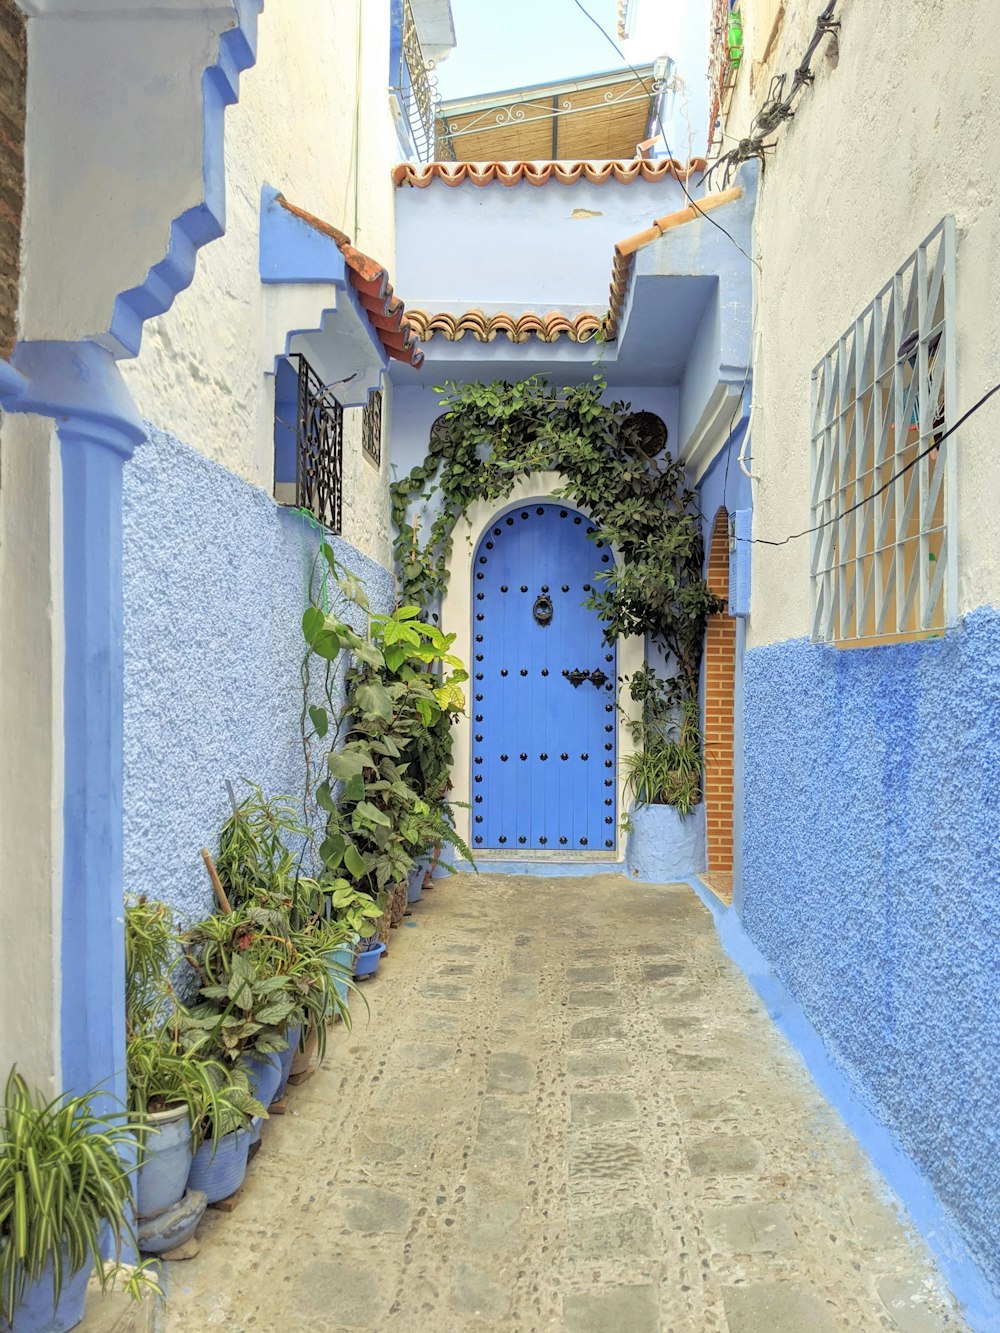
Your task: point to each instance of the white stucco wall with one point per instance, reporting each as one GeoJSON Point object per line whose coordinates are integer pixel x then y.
{"type": "Point", "coordinates": [114, 147]}
{"type": "Point", "coordinates": [895, 134]}
{"type": "Point", "coordinates": [201, 373]}
{"type": "Point", "coordinates": [31, 649]}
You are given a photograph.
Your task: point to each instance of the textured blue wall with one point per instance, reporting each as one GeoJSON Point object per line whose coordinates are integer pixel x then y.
{"type": "Point", "coordinates": [215, 579]}
{"type": "Point", "coordinates": [870, 877]}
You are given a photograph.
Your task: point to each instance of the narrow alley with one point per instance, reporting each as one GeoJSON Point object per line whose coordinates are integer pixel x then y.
{"type": "Point", "coordinates": [567, 1111]}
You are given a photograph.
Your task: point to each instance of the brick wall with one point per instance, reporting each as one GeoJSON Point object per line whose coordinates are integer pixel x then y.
{"type": "Point", "coordinates": [720, 680]}
{"type": "Point", "coordinates": [13, 68]}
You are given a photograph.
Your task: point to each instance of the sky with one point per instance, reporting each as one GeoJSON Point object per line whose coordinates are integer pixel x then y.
{"type": "Point", "coordinates": [516, 42]}
{"type": "Point", "coordinates": [512, 43]}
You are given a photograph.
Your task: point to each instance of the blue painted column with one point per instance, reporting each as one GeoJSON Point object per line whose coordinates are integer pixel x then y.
{"type": "Point", "coordinates": [79, 385]}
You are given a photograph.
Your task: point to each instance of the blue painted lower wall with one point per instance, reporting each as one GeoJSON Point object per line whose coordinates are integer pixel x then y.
{"type": "Point", "coordinates": [215, 578]}
{"type": "Point", "coordinates": [870, 881]}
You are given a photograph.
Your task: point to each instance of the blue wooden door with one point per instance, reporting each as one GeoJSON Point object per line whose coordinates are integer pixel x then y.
{"type": "Point", "coordinates": [544, 726]}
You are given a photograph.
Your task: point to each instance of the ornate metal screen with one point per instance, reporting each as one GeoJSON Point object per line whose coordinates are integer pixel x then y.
{"type": "Point", "coordinates": [371, 427]}
{"type": "Point", "coordinates": [884, 494]}
{"type": "Point", "coordinates": [319, 471]}
{"type": "Point", "coordinates": [416, 88]}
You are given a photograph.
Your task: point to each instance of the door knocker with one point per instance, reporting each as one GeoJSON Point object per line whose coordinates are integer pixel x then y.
{"type": "Point", "coordinates": [542, 610]}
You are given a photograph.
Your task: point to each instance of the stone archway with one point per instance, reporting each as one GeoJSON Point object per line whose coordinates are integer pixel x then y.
{"type": "Point", "coordinates": [720, 684]}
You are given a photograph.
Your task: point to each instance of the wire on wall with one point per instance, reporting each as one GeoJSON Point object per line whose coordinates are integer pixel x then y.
{"type": "Point", "coordinates": [837, 518]}
{"type": "Point", "coordinates": [778, 106]}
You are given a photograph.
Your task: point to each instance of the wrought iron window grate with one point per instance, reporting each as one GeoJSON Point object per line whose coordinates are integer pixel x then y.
{"type": "Point", "coordinates": [886, 570]}
{"type": "Point", "coordinates": [371, 427]}
{"type": "Point", "coordinates": [319, 470]}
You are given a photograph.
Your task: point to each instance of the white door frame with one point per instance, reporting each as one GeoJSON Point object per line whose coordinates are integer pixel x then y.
{"type": "Point", "coordinates": [456, 618]}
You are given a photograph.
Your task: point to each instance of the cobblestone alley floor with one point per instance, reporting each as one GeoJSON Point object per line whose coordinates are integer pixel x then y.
{"type": "Point", "coordinates": [568, 1111]}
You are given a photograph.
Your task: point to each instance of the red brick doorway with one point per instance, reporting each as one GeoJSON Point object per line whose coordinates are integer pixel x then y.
{"type": "Point", "coordinates": [720, 684]}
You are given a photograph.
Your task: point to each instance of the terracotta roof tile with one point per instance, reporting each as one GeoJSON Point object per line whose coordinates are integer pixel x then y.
{"type": "Point", "coordinates": [625, 251]}
{"type": "Point", "coordinates": [518, 328]}
{"type": "Point", "coordinates": [541, 173]}
{"type": "Point", "coordinates": [385, 311]}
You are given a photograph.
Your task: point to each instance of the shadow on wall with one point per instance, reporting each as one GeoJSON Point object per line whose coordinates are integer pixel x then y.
{"type": "Point", "coordinates": [215, 580]}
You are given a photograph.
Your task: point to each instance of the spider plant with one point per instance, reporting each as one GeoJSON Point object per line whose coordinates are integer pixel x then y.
{"type": "Point", "coordinates": [665, 768]}
{"type": "Point", "coordinates": [167, 1069]}
{"type": "Point", "coordinates": [64, 1171]}
{"type": "Point", "coordinates": [254, 862]}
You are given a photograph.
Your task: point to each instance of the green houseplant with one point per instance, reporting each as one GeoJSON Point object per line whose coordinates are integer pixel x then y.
{"type": "Point", "coordinates": [665, 766]}
{"type": "Point", "coordinates": [380, 815]}
{"type": "Point", "coordinates": [175, 1084]}
{"type": "Point", "coordinates": [64, 1187]}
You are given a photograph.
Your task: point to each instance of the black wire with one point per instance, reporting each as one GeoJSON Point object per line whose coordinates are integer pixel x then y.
{"type": "Point", "coordinates": [659, 120]}
{"type": "Point", "coordinates": [938, 441]}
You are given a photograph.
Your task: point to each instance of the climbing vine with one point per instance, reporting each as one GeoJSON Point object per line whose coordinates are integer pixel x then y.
{"type": "Point", "coordinates": [491, 435]}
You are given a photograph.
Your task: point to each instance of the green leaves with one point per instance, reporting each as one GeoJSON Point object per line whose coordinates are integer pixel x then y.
{"type": "Point", "coordinates": [355, 862]}
{"type": "Point", "coordinates": [62, 1177]}
{"type": "Point", "coordinates": [372, 698]}
{"type": "Point", "coordinates": [320, 720]}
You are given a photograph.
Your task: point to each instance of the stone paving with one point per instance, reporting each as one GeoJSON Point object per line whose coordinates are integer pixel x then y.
{"type": "Point", "coordinates": [567, 1111]}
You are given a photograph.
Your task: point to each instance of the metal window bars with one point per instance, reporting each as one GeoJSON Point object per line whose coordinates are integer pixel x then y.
{"type": "Point", "coordinates": [319, 470]}
{"type": "Point", "coordinates": [883, 564]}
{"type": "Point", "coordinates": [416, 89]}
{"type": "Point", "coordinates": [371, 427]}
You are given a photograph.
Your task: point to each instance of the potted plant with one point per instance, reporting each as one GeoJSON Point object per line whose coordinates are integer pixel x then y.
{"type": "Point", "coordinates": [663, 776]}
{"type": "Point", "coordinates": [64, 1191]}
{"type": "Point", "coordinates": [226, 1135]}
{"type": "Point", "coordinates": [172, 1084]}
{"type": "Point", "coordinates": [262, 979]}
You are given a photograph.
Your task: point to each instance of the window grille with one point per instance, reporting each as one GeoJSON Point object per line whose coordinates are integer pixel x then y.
{"type": "Point", "coordinates": [371, 427]}
{"type": "Point", "coordinates": [319, 471]}
{"type": "Point", "coordinates": [883, 562]}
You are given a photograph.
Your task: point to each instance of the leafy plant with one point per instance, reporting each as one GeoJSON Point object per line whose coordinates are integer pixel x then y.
{"type": "Point", "coordinates": [255, 863]}
{"type": "Point", "coordinates": [165, 1067]}
{"type": "Point", "coordinates": [63, 1173]}
{"type": "Point", "coordinates": [492, 435]}
{"type": "Point", "coordinates": [259, 977]}
{"type": "Point", "coordinates": [381, 818]}
{"type": "Point", "coordinates": [665, 767]}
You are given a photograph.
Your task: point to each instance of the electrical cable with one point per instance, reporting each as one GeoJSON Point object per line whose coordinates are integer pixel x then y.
{"type": "Point", "coordinates": [938, 441]}
{"type": "Point", "coordinates": [659, 120]}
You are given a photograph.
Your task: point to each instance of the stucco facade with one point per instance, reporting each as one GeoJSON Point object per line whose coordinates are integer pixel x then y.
{"type": "Point", "coordinates": [204, 370]}
{"type": "Point", "coordinates": [868, 816]}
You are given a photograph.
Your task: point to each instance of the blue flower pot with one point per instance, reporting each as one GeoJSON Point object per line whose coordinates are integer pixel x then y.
{"type": "Point", "coordinates": [220, 1173]}
{"type": "Point", "coordinates": [340, 962]}
{"type": "Point", "coordinates": [264, 1072]}
{"type": "Point", "coordinates": [286, 1057]}
{"type": "Point", "coordinates": [162, 1178]}
{"type": "Point", "coordinates": [265, 1075]}
{"type": "Point", "coordinates": [415, 881]}
{"type": "Point", "coordinates": [173, 1227]}
{"type": "Point", "coordinates": [366, 963]}
{"type": "Point", "coordinates": [40, 1313]}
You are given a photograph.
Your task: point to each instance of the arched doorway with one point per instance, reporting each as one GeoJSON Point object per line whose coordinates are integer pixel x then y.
{"type": "Point", "coordinates": [544, 722]}
{"type": "Point", "coordinates": [720, 684]}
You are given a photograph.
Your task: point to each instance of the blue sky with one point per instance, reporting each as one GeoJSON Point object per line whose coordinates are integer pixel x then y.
{"type": "Point", "coordinates": [514, 42]}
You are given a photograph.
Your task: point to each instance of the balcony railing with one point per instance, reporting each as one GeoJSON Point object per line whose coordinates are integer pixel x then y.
{"type": "Point", "coordinates": [416, 89]}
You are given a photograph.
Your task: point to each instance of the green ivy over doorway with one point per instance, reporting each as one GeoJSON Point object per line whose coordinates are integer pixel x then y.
{"type": "Point", "coordinates": [492, 435]}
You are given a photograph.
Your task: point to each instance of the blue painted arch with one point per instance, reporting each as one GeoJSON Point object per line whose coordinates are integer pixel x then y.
{"type": "Point", "coordinates": [544, 752]}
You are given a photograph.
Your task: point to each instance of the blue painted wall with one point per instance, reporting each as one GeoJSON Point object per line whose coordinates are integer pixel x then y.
{"type": "Point", "coordinates": [215, 580]}
{"type": "Point", "coordinates": [869, 883]}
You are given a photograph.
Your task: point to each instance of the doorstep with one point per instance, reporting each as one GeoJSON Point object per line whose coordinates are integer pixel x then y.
{"type": "Point", "coordinates": [719, 882]}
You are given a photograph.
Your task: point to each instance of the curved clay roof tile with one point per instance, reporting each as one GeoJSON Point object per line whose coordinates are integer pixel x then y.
{"type": "Point", "coordinates": [541, 173]}
{"type": "Point", "coordinates": [517, 328]}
